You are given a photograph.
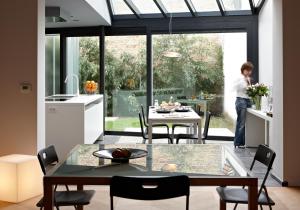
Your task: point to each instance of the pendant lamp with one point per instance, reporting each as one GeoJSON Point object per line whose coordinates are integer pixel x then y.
{"type": "Point", "coordinates": [171, 52]}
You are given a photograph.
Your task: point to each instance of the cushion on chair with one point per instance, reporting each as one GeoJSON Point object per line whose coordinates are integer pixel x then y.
{"type": "Point", "coordinates": [70, 198]}
{"type": "Point", "coordinates": [240, 195]}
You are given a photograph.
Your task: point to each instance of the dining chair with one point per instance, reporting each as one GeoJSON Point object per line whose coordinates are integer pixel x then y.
{"type": "Point", "coordinates": [154, 135]}
{"type": "Point", "coordinates": [155, 125]}
{"type": "Point", "coordinates": [185, 125]}
{"type": "Point", "coordinates": [149, 188]}
{"type": "Point", "coordinates": [265, 156]}
{"type": "Point", "coordinates": [195, 136]}
{"type": "Point", "coordinates": [48, 158]}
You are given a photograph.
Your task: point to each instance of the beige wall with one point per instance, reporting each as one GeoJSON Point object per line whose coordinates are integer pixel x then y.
{"type": "Point", "coordinates": [19, 63]}
{"type": "Point", "coordinates": [291, 96]}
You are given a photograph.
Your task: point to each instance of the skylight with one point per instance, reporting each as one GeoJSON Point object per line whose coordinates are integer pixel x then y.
{"type": "Point", "coordinates": [119, 7]}
{"type": "Point", "coordinates": [146, 6]}
{"type": "Point", "coordinates": [182, 8]}
{"type": "Point", "coordinates": [175, 6]}
{"type": "Point", "coordinates": [236, 5]}
{"type": "Point", "coordinates": [205, 5]}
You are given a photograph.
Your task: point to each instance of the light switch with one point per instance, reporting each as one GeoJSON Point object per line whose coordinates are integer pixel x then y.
{"type": "Point", "coordinates": [25, 87]}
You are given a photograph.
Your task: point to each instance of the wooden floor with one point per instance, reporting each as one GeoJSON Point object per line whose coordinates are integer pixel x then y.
{"type": "Point", "coordinates": [201, 198]}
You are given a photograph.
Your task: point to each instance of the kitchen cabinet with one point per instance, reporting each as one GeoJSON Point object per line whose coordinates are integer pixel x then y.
{"type": "Point", "coordinates": [78, 120]}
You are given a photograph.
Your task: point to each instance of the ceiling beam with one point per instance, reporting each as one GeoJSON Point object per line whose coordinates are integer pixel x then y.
{"type": "Point", "coordinates": [260, 5]}
{"type": "Point", "coordinates": [252, 7]}
{"type": "Point", "coordinates": [221, 7]}
{"type": "Point", "coordinates": [161, 8]}
{"type": "Point", "coordinates": [191, 7]}
{"type": "Point", "coordinates": [110, 9]}
{"type": "Point", "coordinates": [133, 8]}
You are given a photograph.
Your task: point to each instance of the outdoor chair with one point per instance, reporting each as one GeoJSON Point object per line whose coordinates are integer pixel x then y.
{"type": "Point", "coordinates": [265, 156]}
{"type": "Point", "coordinates": [149, 188]}
{"type": "Point", "coordinates": [154, 135]}
{"type": "Point", "coordinates": [195, 136]}
{"type": "Point", "coordinates": [155, 125]}
{"type": "Point", "coordinates": [47, 159]}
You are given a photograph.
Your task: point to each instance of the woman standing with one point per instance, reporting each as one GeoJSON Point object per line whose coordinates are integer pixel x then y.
{"type": "Point", "coordinates": [242, 103]}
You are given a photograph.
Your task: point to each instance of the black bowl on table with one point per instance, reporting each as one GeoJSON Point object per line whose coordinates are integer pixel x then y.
{"type": "Point", "coordinates": [182, 109]}
{"type": "Point", "coordinates": [163, 111]}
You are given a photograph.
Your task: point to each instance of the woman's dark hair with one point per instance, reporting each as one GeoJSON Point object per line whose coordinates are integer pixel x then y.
{"type": "Point", "coordinates": [247, 66]}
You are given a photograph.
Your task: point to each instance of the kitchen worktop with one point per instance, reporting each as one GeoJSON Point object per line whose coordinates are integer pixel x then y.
{"type": "Point", "coordinates": [81, 99]}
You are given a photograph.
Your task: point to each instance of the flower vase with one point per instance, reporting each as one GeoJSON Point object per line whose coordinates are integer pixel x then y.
{"type": "Point", "coordinates": [257, 102]}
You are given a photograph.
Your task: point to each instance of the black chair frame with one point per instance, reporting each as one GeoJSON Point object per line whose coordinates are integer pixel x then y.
{"type": "Point", "coordinates": [155, 125]}
{"type": "Point", "coordinates": [48, 158]}
{"type": "Point", "coordinates": [154, 135]}
{"type": "Point", "coordinates": [149, 188]}
{"type": "Point", "coordinates": [185, 125]}
{"type": "Point", "coordinates": [195, 137]}
{"type": "Point", "coordinates": [266, 156]}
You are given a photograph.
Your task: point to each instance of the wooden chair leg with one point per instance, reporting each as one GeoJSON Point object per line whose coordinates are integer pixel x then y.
{"type": "Point", "coordinates": [222, 205]}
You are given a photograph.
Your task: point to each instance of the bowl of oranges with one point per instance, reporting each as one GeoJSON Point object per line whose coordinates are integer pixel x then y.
{"type": "Point", "coordinates": [90, 87]}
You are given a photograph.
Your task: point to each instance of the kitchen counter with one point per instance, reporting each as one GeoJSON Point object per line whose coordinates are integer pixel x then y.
{"type": "Point", "coordinates": [81, 99]}
{"type": "Point", "coordinates": [76, 120]}
{"type": "Point", "coordinates": [257, 128]}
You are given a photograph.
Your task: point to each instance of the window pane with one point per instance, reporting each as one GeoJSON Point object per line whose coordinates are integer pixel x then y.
{"type": "Point", "coordinates": [205, 5]}
{"type": "Point", "coordinates": [202, 76]}
{"type": "Point", "coordinates": [120, 8]}
{"type": "Point", "coordinates": [174, 6]}
{"type": "Point", "coordinates": [52, 65]}
{"type": "Point", "coordinates": [125, 82]}
{"type": "Point", "coordinates": [231, 5]}
{"type": "Point", "coordinates": [256, 2]}
{"type": "Point", "coordinates": [146, 6]}
{"type": "Point", "coordinates": [83, 61]}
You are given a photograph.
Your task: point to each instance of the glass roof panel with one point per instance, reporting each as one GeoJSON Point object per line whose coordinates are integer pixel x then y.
{"type": "Point", "coordinates": [205, 5]}
{"type": "Point", "coordinates": [120, 8]}
{"type": "Point", "coordinates": [256, 2]}
{"type": "Point", "coordinates": [146, 6]}
{"type": "Point", "coordinates": [233, 5]}
{"type": "Point", "coordinates": [175, 6]}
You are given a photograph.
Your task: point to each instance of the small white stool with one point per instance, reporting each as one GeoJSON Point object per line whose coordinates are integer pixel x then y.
{"type": "Point", "coordinates": [21, 178]}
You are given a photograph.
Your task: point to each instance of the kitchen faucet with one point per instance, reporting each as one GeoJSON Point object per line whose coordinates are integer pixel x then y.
{"type": "Point", "coordinates": [77, 82]}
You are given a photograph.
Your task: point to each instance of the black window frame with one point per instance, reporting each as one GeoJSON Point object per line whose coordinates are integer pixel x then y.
{"type": "Point", "coordinates": [153, 26]}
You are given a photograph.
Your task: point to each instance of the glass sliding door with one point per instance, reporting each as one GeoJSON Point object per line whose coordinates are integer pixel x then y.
{"type": "Point", "coordinates": [52, 65]}
{"type": "Point", "coordinates": [82, 59]}
{"type": "Point", "coordinates": [125, 81]}
{"type": "Point", "coordinates": [201, 75]}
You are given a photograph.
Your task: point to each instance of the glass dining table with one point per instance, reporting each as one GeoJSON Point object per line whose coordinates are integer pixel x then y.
{"type": "Point", "coordinates": [204, 164]}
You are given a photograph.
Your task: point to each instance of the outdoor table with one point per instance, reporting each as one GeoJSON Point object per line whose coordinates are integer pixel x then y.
{"type": "Point", "coordinates": [174, 117]}
{"type": "Point", "coordinates": [204, 164]}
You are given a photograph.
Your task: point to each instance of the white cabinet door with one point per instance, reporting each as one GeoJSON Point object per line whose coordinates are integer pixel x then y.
{"type": "Point", "coordinates": [93, 121]}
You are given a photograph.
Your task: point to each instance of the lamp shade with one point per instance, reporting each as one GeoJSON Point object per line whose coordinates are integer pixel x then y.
{"type": "Point", "coordinates": [21, 178]}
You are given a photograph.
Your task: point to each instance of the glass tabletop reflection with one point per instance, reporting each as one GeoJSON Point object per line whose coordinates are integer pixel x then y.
{"type": "Point", "coordinates": [161, 160]}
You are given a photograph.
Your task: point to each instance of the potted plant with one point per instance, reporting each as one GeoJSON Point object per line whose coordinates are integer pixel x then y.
{"type": "Point", "coordinates": [255, 92]}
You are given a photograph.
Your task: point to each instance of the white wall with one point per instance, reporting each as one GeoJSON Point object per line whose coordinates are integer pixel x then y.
{"type": "Point", "coordinates": [270, 73]}
{"type": "Point", "coordinates": [235, 54]}
{"type": "Point", "coordinates": [41, 75]}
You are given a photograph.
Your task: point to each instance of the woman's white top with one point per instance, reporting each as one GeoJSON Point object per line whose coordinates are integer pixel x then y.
{"type": "Point", "coordinates": [240, 86]}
